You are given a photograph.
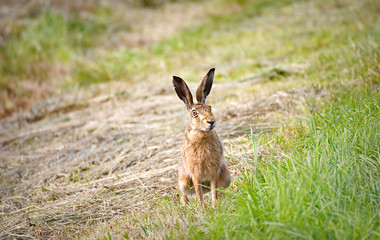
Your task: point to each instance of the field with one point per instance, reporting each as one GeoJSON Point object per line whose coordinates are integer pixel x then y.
{"type": "Point", "coordinates": [91, 128]}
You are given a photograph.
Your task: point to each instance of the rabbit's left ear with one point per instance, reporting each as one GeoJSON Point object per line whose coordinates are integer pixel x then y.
{"type": "Point", "coordinates": [205, 86]}
{"type": "Point", "coordinates": [183, 91]}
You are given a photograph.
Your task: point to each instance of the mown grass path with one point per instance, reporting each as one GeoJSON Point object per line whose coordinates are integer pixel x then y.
{"type": "Point", "coordinates": [104, 157]}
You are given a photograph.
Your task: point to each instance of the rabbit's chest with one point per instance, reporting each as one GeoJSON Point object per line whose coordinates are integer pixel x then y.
{"type": "Point", "coordinates": [204, 159]}
{"type": "Point", "coordinates": [202, 153]}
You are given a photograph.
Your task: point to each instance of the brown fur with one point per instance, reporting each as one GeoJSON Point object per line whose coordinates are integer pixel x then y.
{"type": "Point", "coordinates": [202, 161]}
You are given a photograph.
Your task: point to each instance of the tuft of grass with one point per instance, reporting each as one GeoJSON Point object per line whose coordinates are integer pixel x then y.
{"type": "Point", "coordinates": [121, 64]}
{"type": "Point", "coordinates": [115, 66]}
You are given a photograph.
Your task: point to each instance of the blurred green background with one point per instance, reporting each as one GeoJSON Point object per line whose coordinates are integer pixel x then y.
{"type": "Point", "coordinates": [50, 45]}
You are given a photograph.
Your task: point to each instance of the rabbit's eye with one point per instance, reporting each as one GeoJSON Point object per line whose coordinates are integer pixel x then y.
{"type": "Point", "coordinates": [194, 112]}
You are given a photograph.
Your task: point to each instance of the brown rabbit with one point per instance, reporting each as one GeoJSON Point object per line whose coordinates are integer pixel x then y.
{"type": "Point", "coordinates": [202, 162]}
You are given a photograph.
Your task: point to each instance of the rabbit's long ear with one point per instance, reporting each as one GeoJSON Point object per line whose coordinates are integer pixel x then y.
{"type": "Point", "coordinates": [205, 86]}
{"type": "Point", "coordinates": [183, 91]}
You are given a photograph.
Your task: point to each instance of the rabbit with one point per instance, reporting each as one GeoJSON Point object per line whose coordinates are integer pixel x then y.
{"type": "Point", "coordinates": [202, 163]}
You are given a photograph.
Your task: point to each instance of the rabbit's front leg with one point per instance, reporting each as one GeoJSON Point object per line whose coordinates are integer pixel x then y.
{"type": "Point", "coordinates": [198, 190]}
{"type": "Point", "coordinates": [214, 193]}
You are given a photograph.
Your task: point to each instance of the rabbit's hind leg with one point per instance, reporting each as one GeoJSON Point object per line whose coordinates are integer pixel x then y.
{"type": "Point", "coordinates": [224, 179]}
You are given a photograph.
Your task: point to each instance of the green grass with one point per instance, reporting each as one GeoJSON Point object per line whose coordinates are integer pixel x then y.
{"type": "Point", "coordinates": [51, 37]}
{"type": "Point", "coordinates": [118, 65]}
{"type": "Point", "coordinates": [326, 185]}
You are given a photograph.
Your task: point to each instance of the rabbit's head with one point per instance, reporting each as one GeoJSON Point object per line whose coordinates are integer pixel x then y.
{"type": "Point", "coordinates": [201, 117]}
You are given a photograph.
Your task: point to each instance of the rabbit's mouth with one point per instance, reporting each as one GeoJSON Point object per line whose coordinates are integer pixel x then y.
{"type": "Point", "coordinates": [210, 125]}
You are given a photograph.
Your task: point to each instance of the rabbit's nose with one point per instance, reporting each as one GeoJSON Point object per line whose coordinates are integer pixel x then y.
{"type": "Point", "coordinates": [212, 123]}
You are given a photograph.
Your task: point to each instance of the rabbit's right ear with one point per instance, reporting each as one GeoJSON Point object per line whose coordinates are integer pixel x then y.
{"type": "Point", "coordinates": [183, 91]}
{"type": "Point", "coordinates": [205, 87]}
